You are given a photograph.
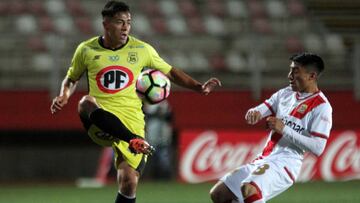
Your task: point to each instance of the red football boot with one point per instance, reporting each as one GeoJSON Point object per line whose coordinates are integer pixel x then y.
{"type": "Point", "coordinates": [139, 145]}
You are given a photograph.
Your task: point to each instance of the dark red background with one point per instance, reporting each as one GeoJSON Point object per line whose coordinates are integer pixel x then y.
{"type": "Point", "coordinates": [29, 110]}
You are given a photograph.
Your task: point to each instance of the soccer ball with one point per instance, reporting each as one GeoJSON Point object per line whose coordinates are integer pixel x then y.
{"type": "Point", "coordinates": [152, 86]}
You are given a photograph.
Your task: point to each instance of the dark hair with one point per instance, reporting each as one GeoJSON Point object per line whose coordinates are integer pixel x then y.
{"type": "Point", "coordinates": [309, 61]}
{"type": "Point", "coordinates": [113, 7]}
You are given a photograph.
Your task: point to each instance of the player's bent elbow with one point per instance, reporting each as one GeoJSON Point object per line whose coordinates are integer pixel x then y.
{"type": "Point", "coordinates": [318, 151]}
{"type": "Point", "coordinates": [318, 148]}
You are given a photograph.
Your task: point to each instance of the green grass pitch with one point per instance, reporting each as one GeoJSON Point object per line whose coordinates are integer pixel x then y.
{"type": "Point", "coordinates": [171, 192]}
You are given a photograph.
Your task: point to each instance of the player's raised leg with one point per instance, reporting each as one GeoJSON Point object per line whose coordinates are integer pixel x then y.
{"type": "Point", "coordinates": [237, 186]}
{"type": "Point", "coordinates": [220, 193]}
{"type": "Point", "coordinates": [105, 120]}
{"type": "Point", "coordinates": [91, 113]}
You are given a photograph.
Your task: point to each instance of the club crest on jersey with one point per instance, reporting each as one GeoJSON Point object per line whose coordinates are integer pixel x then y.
{"type": "Point", "coordinates": [114, 58]}
{"type": "Point", "coordinates": [302, 108]}
{"type": "Point", "coordinates": [132, 57]}
{"type": "Point", "coordinates": [113, 79]}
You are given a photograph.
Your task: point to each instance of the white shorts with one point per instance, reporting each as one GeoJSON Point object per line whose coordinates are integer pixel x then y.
{"type": "Point", "coordinates": [270, 176]}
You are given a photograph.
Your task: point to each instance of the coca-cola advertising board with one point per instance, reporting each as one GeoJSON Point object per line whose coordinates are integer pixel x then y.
{"type": "Point", "coordinates": [207, 155]}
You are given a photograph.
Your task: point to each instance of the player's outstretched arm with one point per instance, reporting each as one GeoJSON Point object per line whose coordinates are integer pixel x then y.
{"type": "Point", "coordinates": [180, 78]}
{"type": "Point", "coordinates": [67, 89]}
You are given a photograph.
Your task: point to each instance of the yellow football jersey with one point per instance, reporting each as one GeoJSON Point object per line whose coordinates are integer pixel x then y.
{"type": "Point", "coordinates": [112, 75]}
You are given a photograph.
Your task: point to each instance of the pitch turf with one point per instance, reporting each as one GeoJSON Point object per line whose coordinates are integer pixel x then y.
{"type": "Point", "coordinates": [172, 192]}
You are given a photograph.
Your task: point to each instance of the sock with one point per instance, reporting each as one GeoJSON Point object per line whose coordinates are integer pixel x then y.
{"type": "Point", "coordinates": [111, 124]}
{"type": "Point", "coordinates": [124, 199]}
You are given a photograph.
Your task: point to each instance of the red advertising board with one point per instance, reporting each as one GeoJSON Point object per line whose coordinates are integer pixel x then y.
{"type": "Point", "coordinates": [30, 110]}
{"type": "Point", "coordinates": [207, 155]}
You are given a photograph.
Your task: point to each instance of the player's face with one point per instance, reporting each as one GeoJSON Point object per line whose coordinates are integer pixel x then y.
{"type": "Point", "coordinates": [118, 27]}
{"type": "Point", "coordinates": [299, 78]}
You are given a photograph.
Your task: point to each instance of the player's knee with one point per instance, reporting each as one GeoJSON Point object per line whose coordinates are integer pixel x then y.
{"type": "Point", "coordinates": [214, 195]}
{"type": "Point", "coordinates": [218, 193]}
{"type": "Point", "coordinates": [87, 104]}
{"type": "Point", "coordinates": [248, 190]}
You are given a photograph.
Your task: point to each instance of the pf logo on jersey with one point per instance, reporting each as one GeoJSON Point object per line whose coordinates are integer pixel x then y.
{"type": "Point", "coordinates": [113, 79]}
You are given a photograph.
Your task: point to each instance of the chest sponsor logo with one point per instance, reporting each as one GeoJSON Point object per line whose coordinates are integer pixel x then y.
{"type": "Point", "coordinates": [298, 128]}
{"type": "Point", "coordinates": [113, 79]}
{"type": "Point", "coordinates": [302, 108]}
{"type": "Point", "coordinates": [132, 57]}
{"type": "Point", "coordinates": [114, 58]}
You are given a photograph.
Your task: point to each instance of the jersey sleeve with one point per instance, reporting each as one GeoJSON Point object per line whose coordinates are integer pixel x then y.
{"type": "Point", "coordinates": [269, 106]}
{"type": "Point", "coordinates": [305, 141]}
{"type": "Point", "coordinates": [156, 62]}
{"type": "Point", "coordinates": [321, 122]}
{"type": "Point", "coordinates": [78, 66]}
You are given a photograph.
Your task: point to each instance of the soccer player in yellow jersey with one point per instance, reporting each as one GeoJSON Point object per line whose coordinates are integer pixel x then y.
{"type": "Point", "coordinates": [111, 112]}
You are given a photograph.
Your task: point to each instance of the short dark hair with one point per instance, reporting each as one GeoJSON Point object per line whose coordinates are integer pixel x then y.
{"type": "Point", "coordinates": [309, 61]}
{"type": "Point", "coordinates": [113, 7]}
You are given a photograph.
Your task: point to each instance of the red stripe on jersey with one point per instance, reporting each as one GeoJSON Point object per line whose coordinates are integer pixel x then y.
{"type": "Point", "coordinates": [254, 197]}
{"type": "Point", "coordinates": [290, 175]}
{"type": "Point", "coordinates": [271, 144]}
{"type": "Point", "coordinates": [318, 135]}
{"type": "Point", "coordinates": [270, 108]}
{"type": "Point", "coordinates": [257, 158]}
{"type": "Point", "coordinates": [305, 107]}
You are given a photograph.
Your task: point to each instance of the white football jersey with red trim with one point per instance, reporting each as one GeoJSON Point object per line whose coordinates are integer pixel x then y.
{"type": "Point", "coordinates": [308, 120]}
{"type": "Point", "coordinates": [306, 114]}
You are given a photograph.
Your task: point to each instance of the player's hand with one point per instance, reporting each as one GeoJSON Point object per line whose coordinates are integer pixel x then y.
{"type": "Point", "coordinates": [210, 85]}
{"type": "Point", "coordinates": [275, 124]}
{"type": "Point", "coordinates": [252, 116]}
{"type": "Point", "coordinates": [58, 103]}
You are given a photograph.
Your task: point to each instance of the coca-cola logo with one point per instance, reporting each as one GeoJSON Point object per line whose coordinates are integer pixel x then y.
{"type": "Point", "coordinates": [206, 159]}
{"type": "Point", "coordinates": [342, 158]}
{"type": "Point", "coordinates": [209, 155]}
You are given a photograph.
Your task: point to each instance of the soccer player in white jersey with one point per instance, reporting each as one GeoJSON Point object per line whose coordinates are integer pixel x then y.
{"type": "Point", "coordinates": [299, 118]}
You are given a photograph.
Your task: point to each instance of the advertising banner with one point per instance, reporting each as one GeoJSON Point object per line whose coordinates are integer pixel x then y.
{"type": "Point", "coordinates": [207, 155]}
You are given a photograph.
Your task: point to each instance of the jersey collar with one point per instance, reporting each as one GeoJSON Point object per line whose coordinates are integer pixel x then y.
{"type": "Point", "coordinates": [302, 96]}
{"type": "Point", "coordinates": [101, 42]}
